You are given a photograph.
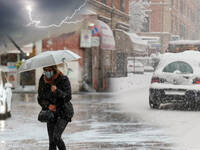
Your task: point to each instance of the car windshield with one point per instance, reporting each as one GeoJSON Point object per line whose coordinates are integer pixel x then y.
{"type": "Point", "coordinates": [179, 66]}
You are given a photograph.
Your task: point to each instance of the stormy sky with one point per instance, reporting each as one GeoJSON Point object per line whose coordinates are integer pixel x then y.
{"type": "Point", "coordinates": [14, 15]}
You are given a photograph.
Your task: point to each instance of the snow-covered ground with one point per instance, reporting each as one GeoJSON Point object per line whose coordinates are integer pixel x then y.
{"type": "Point", "coordinates": [107, 121]}
{"type": "Point", "coordinates": [133, 81]}
{"type": "Point", "coordinates": [183, 126]}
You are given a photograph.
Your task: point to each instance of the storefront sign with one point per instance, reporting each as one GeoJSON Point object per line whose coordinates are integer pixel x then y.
{"type": "Point", "coordinates": [85, 41]}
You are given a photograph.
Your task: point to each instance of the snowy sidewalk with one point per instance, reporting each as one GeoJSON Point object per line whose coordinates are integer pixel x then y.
{"type": "Point", "coordinates": [26, 90]}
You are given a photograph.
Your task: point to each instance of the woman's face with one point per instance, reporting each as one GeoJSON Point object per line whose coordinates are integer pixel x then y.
{"type": "Point", "coordinates": [48, 72]}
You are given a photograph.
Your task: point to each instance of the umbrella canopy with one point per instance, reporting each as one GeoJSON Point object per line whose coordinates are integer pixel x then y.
{"type": "Point", "coordinates": [48, 58]}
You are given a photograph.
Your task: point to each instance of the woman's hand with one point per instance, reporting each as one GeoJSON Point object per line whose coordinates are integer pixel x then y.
{"type": "Point", "coordinates": [53, 88]}
{"type": "Point", "coordinates": [52, 107]}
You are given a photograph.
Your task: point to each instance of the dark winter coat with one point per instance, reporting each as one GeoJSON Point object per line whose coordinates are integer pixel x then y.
{"type": "Point", "coordinates": [59, 97]}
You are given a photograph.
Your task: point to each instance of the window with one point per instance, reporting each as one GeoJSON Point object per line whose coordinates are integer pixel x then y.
{"type": "Point", "coordinates": [122, 5]}
{"type": "Point", "coordinates": [193, 17]}
{"type": "Point", "coordinates": [172, 2]}
{"type": "Point", "coordinates": [178, 66]}
{"type": "Point", "coordinates": [146, 25]}
{"type": "Point", "coordinates": [103, 1]}
{"type": "Point", "coordinates": [181, 30]}
{"type": "Point", "coordinates": [188, 12]}
{"type": "Point", "coordinates": [172, 24]}
{"type": "Point", "coordinates": [181, 6]}
{"type": "Point", "coordinates": [176, 24]}
{"type": "Point", "coordinates": [176, 3]}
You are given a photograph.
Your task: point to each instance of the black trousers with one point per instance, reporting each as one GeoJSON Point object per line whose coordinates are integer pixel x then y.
{"type": "Point", "coordinates": [55, 130]}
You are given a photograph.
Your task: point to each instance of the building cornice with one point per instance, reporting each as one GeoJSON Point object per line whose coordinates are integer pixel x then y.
{"type": "Point", "coordinates": [108, 9]}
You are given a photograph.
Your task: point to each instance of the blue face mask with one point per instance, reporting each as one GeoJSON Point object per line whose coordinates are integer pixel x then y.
{"type": "Point", "coordinates": [48, 74]}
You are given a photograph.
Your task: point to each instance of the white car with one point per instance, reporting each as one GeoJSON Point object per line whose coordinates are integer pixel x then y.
{"type": "Point", "coordinates": [176, 80]}
{"type": "Point", "coordinates": [5, 96]}
{"type": "Point", "coordinates": [135, 66]}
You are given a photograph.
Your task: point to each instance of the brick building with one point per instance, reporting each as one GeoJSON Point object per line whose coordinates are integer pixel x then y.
{"type": "Point", "coordinates": [178, 17]}
{"type": "Point", "coordinates": [170, 19]}
{"type": "Point", "coordinates": [96, 62]}
{"type": "Point", "coordinates": [113, 12]}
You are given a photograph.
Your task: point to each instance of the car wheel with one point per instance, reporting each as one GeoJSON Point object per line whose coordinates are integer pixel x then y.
{"type": "Point", "coordinates": [152, 103]}
{"type": "Point", "coordinates": [192, 105]}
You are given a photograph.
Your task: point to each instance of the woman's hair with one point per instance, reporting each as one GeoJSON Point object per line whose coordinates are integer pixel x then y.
{"type": "Point", "coordinates": [54, 67]}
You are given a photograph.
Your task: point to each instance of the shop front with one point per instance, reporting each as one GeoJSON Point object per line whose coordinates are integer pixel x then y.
{"type": "Point", "coordinates": [127, 45]}
{"type": "Point", "coordinates": [98, 54]}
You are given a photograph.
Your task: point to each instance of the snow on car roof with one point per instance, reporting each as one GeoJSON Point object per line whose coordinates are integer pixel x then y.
{"type": "Point", "coordinates": [189, 54]}
{"type": "Point", "coordinates": [191, 57]}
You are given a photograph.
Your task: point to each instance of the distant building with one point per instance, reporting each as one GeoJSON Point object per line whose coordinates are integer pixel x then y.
{"type": "Point", "coordinates": [172, 20]}
{"type": "Point", "coordinates": [177, 17]}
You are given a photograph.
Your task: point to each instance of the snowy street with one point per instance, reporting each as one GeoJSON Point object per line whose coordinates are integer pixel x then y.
{"type": "Point", "coordinates": [181, 126]}
{"type": "Point", "coordinates": [118, 120]}
{"type": "Point", "coordinates": [131, 69]}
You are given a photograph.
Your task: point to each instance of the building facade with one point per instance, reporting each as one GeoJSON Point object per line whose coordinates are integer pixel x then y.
{"type": "Point", "coordinates": [96, 62]}
{"type": "Point", "coordinates": [113, 12]}
{"type": "Point", "coordinates": [172, 20]}
{"type": "Point", "coordinates": [177, 17]}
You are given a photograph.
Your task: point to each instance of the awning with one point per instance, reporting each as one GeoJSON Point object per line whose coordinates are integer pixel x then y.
{"type": "Point", "coordinates": [107, 38]}
{"type": "Point", "coordinates": [130, 42]}
{"type": "Point", "coordinates": [138, 44]}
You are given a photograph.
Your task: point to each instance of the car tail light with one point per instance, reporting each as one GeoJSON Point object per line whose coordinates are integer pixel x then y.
{"type": "Point", "coordinates": [196, 81]}
{"type": "Point", "coordinates": [157, 80]}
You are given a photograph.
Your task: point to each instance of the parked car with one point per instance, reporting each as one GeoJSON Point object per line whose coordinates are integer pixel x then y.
{"type": "Point", "coordinates": [176, 80]}
{"type": "Point", "coordinates": [135, 66]}
{"type": "Point", "coordinates": [5, 96]}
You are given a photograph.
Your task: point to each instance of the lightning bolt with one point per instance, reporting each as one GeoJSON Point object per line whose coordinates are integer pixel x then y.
{"type": "Point", "coordinates": [67, 19]}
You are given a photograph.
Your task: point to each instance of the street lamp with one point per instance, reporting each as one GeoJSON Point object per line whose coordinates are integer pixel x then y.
{"type": "Point", "coordinates": [29, 8]}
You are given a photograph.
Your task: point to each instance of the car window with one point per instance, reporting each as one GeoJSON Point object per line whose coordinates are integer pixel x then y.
{"type": "Point", "coordinates": [180, 66]}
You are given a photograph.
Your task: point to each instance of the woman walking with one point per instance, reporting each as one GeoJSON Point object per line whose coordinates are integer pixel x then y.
{"type": "Point", "coordinates": [54, 94]}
